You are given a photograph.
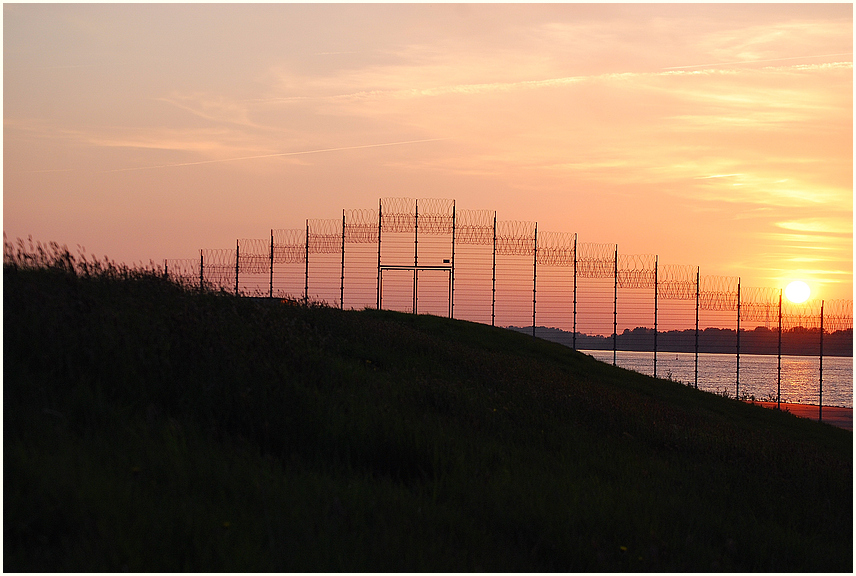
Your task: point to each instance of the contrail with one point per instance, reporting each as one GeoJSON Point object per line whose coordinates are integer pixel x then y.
{"type": "Point", "coordinates": [752, 61]}
{"type": "Point", "coordinates": [278, 154]}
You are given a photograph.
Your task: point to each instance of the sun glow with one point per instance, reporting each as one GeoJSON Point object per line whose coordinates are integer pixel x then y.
{"type": "Point", "coordinates": [797, 291]}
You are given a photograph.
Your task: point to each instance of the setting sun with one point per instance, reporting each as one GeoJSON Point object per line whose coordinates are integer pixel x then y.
{"type": "Point", "coordinates": [797, 292]}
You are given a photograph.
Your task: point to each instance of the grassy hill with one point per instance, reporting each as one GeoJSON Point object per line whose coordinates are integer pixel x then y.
{"type": "Point", "coordinates": [150, 427]}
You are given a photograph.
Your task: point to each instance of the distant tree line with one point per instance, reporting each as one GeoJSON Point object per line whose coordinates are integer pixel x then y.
{"type": "Point", "coordinates": [797, 341]}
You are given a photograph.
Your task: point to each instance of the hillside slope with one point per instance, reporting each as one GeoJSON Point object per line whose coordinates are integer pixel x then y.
{"type": "Point", "coordinates": [149, 427]}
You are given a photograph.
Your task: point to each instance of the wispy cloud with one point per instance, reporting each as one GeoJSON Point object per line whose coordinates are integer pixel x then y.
{"type": "Point", "coordinates": [757, 61]}
{"type": "Point", "coordinates": [275, 155]}
{"type": "Point", "coordinates": [215, 109]}
{"type": "Point", "coordinates": [558, 82]}
{"type": "Point", "coordinates": [762, 189]}
{"type": "Point", "coordinates": [50, 67]}
{"type": "Point", "coordinates": [822, 226]}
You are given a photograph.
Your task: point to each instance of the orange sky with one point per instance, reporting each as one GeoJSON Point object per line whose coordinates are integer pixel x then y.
{"type": "Point", "coordinates": [717, 136]}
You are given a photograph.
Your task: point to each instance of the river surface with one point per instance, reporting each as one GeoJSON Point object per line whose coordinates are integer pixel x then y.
{"type": "Point", "coordinates": [800, 375]}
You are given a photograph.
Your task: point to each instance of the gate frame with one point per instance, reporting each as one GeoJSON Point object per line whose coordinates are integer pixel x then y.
{"type": "Point", "coordinates": [415, 270]}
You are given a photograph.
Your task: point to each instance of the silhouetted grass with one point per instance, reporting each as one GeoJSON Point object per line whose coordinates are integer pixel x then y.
{"type": "Point", "coordinates": [151, 427]}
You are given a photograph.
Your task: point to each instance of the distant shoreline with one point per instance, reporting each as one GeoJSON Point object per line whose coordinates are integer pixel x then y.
{"type": "Point", "coordinates": [742, 353]}
{"type": "Point", "coordinates": [760, 341]}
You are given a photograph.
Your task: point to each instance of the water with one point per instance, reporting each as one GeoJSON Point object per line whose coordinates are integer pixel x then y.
{"type": "Point", "coordinates": [758, 374]}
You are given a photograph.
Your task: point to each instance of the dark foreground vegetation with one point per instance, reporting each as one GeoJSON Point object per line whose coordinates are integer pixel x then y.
{"type": "Point", "coordinates": [150, 427]}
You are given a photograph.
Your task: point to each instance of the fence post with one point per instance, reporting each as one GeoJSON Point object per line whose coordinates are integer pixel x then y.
{"type": "Point", "coordinates": [697, 299]}
{"type": "Point", "coordinates": [342, 284]}
{"type": "Point", "coordinates": [737, 386]}
{"type": "Point", "coordinates": [270, 294]}
{"type": "Point", "coordinates": [166, 269]}
{"type": "Point", "coordinates": [574, 337]}
{"type": "Point", "coordinates": [615, 313]}
{"type": "Point", "coordinates": [306, 273]}
{"type": "Point", "coordinates": [493, 277]}
{"type": "Point", "coordinates": [656, 289]}
{"type": "Point", "coordinates": [201, 271]}
{"type": "Point", "coordinates": [379, 221]}
{"type": "Point", "coordinates": [779, 368]}
{"type": "Point", "coordinates": [452, 272]}
{"type": "Point", "coordinates": [534, 276]}
{"type": "Point", "coordinates": [237, 260]}
{"type": "Point", "coordinates": [820, 396]}
{"type": "Point", "coordinates": [416, 258]}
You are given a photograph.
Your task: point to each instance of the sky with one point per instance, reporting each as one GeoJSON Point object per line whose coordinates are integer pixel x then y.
{"type": "Point", "coordinates": [718, 135]}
